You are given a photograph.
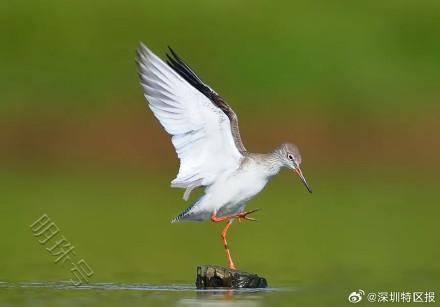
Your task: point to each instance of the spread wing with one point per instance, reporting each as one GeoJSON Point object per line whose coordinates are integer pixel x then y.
{"type": "Point", "coordinates": [196, 118]}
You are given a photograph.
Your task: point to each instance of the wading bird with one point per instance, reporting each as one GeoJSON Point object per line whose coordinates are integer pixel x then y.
{"type": "Point", "coordinates": [207, 140]}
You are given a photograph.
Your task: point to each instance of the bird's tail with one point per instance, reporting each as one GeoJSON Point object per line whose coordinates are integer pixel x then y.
{"type": "Point", "coordinates": [185, 213]}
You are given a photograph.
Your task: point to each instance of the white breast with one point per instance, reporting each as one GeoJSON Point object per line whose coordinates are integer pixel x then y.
{"type": "Point", "coordinates": [232, 191]}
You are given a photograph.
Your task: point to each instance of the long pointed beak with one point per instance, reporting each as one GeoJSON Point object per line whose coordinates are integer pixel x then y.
{"type": "Point", "coordinates": [303, 179]}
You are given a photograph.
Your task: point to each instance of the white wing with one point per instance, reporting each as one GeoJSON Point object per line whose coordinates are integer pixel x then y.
{"type": "Point", "coordinates": [201, 132]}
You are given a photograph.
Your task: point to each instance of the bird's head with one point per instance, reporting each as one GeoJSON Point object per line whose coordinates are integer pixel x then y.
{"type": "Point", "coordinates": [291, 159]}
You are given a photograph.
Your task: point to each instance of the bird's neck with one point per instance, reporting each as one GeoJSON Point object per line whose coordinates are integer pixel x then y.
{"type": "Point", "coordinates": [270, 162]}
{"type": "Point", "coordinates": [275, 162]}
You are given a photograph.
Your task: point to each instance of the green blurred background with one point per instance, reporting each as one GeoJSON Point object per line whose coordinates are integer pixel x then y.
{"type": "Point", "coordinates": [354, 84]}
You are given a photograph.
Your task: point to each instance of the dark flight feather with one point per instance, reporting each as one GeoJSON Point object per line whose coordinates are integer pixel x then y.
{"type": "Point", "coordinates": [179, 66]}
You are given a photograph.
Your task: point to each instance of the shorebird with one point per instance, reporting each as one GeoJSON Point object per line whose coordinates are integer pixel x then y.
{"type": "Point", "coordinates": [205, 135]}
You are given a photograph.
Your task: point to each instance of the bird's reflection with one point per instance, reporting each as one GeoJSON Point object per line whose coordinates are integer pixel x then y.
{"type": "Point", "coordinates": [227, 297]}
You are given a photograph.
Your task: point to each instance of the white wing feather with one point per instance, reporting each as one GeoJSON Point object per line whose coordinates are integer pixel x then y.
{"type": "Point", "coordinates": [201, 132]}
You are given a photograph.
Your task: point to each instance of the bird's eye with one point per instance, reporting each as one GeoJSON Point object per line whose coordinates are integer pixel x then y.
{"type": "Point", "coordinates": [290, 157]}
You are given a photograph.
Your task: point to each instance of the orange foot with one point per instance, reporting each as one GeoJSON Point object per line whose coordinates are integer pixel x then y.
{"type": "Point", "coordinates": [244, 215]}
{"type": "Point", "coordinates": [240, 216]}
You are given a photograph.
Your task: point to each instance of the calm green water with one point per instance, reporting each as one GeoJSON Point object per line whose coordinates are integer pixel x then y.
{"type": "Point", "coordinates": [141, 294]}
{"type": "Point", "coordinates": [376, 232]}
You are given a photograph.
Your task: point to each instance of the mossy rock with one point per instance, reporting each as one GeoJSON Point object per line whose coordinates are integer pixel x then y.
{"type": "Point", "coordinates": [213, 276]}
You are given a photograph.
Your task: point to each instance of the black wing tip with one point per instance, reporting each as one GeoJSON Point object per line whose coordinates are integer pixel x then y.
{"type": "Point", "coordinates": [171, 51]}
{"type": "Point", "coordinates": [180, 67]}
{"type": "Point", "coordinates": [175, 62]}
{"type": "Point", "coordinates": [176, 57]}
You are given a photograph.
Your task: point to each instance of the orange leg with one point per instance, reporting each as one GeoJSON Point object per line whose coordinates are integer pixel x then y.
{"type": "Point", "coordinates": [216, 219]}
{"type": "Point", "coordinates": [225, 243]}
